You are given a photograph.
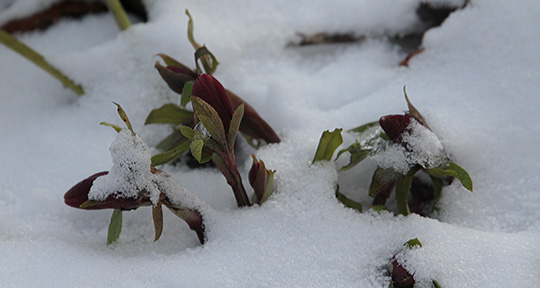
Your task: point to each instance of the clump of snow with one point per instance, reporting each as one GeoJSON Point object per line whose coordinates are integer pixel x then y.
{"type": "Point", "coordinates": [422, 148]}
{"type": "Point", "coordinates": [130, 174]}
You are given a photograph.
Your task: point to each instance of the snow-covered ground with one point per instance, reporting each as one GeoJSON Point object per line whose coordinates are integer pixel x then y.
{"type": "Point", "coordinates": [476, 84]}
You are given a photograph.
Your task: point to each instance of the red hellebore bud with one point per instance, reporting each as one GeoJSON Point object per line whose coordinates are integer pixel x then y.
{"type": "Point", "coordinates": [395, 125]}
{"type": "Point", "coordinates": [212, 92]}
{"type": "Point", "coordinates": [400, 276]}
{"type": "Point", "coordinates": [78, 195]}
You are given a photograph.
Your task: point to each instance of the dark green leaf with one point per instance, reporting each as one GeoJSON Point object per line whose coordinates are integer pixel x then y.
{"type": "Point", "coordinates": [115, 227]}
{"type": "Point", "coordinates": [348, 202]}
{"type": "Point", "coordinates": [413, 243]}
{"type": "Point", "coordinates": [186, 93]}
{"type": "Point", "coordinates": [115, 127]}
{"type": "Point", "coordinates": [437, 189]}
{"type": "Point", "coordinates": [328, 144]}
{"type": "Point", "coordinates": [210, 119]}
{"type": "Point", "coordinates": [403, 186]}
{"type": "Point", "coordinates": [358, 154]}
{"type": "Point", "coordinates": [124, 117]}
{"type": "Point", "coordinates": [170, 114]}
{"type": "Point", "coordinates": [378, 208]}
{"type": "Point", "coordinates": [172, 141]}
{"type": "Point", "coordinates": [363, 128]}
{"type": "Point", "coordinates": [173, 154]}
{"type": "Point", "coordinates": [157, 216]}
{"type": "Point", "coordinates": [235, 125]}
{"type": "Point", "coordinates": [453, 170]}
{"type": "Point", "coordinates": [382, 180]}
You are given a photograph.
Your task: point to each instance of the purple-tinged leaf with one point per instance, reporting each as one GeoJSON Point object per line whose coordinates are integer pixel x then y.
{"type": "Point", "coordinates": [328, 144]}
{"type": "Point", "coordinates": [235, 124]}
{"type": "Point", "coordinates": [262, 181]}
{"type": "Point", "coordinates": [157, 217]}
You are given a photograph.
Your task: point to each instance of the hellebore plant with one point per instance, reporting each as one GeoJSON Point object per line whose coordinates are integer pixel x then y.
{"type": "Point", "coordinates": [180, 78]}
{"type": "Point", "coordinates": [401, 146]}
{"type": "Point", "coordinates": [214, 136]}
{"type": "Point", "coordinates": [133, 182]}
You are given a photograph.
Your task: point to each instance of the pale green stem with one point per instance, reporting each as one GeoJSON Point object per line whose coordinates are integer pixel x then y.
{"type": "Point", "coordinates": [119, 13]}
{"type": "Point", "coordinates": [39, 60]}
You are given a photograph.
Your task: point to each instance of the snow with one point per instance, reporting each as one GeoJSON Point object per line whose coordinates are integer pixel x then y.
{"type": "Point", "coordinates": [475, 83]}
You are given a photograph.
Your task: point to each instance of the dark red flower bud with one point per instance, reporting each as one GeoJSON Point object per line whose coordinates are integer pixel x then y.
{"type": "Point", "coordinates": [400, 276]}
{"type": "Point", "coordinates": [395, 125]}
{"type": "Point", "coordinates": [78, 195]}
{"type": "Point", "coordinates": [212, 92]}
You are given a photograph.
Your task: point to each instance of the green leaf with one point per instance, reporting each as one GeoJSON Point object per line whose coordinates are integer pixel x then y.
{"type": "Point", "coordinates": [186, 93]}
{"type": "Point", "coordinates": [436, 284]}
{"type": "Point", "coordinates": [196, 148]}
{"type": "Point", "coordinates": [365, 127]}
{"type": "Point", "coordinates": [170, 114]}
{"type": "Point", "coordinates": [115, 127]}
{"type": "Point", "coordinates": [328, 144]}
{"type": "Point", "coordinates": [382, 180]}
{"type": "Point", "coordinates": [190, 32]}
{"type": "Point", "coordinates": [124, 117]}
{"type": "Point", "coordinates": [455, 171]}
{"type": "Point", "coordinates": [358, 154]}
{"type": "Point", "coordinates": [205, 55]}
{"type": "Point", "coordinates": [378, 208]}
{"type": "Point", "coordinates": [88, 203]}
{"type": "Point", "coordinates": [188, 132]}
{"type": "Point", "coordinates": [157, 216]}
{"type": "Point", "coordinates": [210, 119]}
{"type": "Point", "coordinates": [173, 154]}
{"type": "Point", "coordinates": [437, 189]}
{"type": "Point", "coordinates": [403, 186]}
{"type": "Point", "coordinates": [413, 111]}
{"type": "Point", "coordinates": [115, 227]}
{"type": "Point", "coordinates": [170, 142]}
{"type": "Point", "coordinates": [348, 202]}
{"type": "Point", "coordinates": [413, 243]}
{"type": "Point", "coordinates": [172, 62]}
{"type": "Point", "coordinates": [235, 125]}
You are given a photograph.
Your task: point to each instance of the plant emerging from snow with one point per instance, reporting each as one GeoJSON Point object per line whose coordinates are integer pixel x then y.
{"type": "Point", "coordinates": [401, 146]}
{"type": "Point", "coordinates": [133, 182]}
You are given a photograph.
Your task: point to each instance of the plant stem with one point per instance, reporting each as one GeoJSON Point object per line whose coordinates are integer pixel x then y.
{"type": "Point", "coordinates": [39, 60]}
{"type": "Point", "coordinates": [226, 163]}
{"type": "Point", "coordinates": [119, 14]}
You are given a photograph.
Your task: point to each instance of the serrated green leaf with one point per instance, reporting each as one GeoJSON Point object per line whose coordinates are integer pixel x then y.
{"type": "Point", "coordinates": [348, 202]}
{"type": "Point", "coordinates": [381, 180]}
{"type": "Point", "coordinates": [358, 154]}
{"type": "Point", "coordinates": [115, 227]}
{"type": "Point", "coordinates": [210, 119]}
{"type": "Point", "coordinates": [403, 186]}
{"type": "Point", "coordinates": [413, 243]}
{"type": "Point", "coordinates": [455, 171]}
{"type": "Point", "coordinates": [173, 154]}
{"type": "Point", "coordinates": [124, 117]}
{"type": "Point", "coordinates": [205, 56]}
{"type": "Point", "coordinates": [235, 125]}
{"type": "Point", "coordinates": [328, 144]}
{"type": "Point", "coordinates": [196, 148]}
{"type": "Point", "coordinates": [365, 127]}
{"type": "Point", "coordinates": [115, 127]}
{"type": "Point", "coordinates": [170, 114]}
{"type": "Point", "coordinates": [186, 93]}
{"type": "Point", "coordinates": [157, 216]}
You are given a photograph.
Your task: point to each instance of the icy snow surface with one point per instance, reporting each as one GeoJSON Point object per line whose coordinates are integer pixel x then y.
{"type": "Point", "coordinates": [476, 84]}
